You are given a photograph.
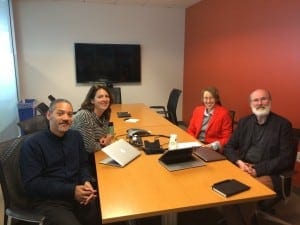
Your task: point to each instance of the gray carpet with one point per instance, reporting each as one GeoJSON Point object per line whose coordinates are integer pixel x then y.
{"type": "Point", "coordinates": [289, 212]}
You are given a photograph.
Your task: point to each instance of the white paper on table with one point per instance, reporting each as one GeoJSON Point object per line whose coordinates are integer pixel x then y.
{"type": "Point", "coordinates": [131, 120]}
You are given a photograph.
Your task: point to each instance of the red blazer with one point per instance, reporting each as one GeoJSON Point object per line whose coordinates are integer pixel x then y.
{"type": "Point", "coordinates": [219, 127]}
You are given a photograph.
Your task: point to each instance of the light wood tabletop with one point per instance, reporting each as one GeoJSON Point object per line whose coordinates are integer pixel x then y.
{"type": "Point", "coordinates": [145, 188]}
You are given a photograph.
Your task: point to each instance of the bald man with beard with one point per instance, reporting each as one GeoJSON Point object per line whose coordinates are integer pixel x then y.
{"type": "Point", "coordinates": [261, 146]}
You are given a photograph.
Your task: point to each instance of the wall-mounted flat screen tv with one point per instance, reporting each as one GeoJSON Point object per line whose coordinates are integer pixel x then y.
{"type": "Point", "coordinates": [107, 63]}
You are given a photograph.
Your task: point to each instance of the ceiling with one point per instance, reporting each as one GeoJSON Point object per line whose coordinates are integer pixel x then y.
{"type": "Point", "coordinates": [153, 3]}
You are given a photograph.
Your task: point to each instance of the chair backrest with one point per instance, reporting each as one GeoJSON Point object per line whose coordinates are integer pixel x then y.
{"type": "Point", "coordinates": [10, 176]}
{"type": "Point", "coordinates": [51, 98]}
{"type": "Point", "coordinates": [33, 124]}
{"type": "Point", "coordinates": [288, 175]}
{"type": "Point", "coordinates": [116, 94]}
{"type": "Point", "coordinates": [42, 108]}
{"type": "Point", "coordinates": [232, 115]}
{"type": "Point", "coordinates": [172, 105]}
{"type": "Point", "coordinates": [288, 182]}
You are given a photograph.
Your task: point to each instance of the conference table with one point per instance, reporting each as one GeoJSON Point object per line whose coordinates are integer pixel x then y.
{"type": "Point", "coordinates": [144, 188]}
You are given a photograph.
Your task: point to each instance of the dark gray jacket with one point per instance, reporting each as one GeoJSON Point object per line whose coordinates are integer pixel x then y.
{"type": "Point", "coordinates": [278, 153]}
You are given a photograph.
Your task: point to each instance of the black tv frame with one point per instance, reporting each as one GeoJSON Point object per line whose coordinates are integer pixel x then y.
{"type": "Point", "coordinates": [107, 63]}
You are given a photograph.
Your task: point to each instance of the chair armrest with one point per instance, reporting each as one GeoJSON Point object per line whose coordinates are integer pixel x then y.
{"type": "Point", "coordinates": [287, 174]}
{"type": "Point", "coordinates": [160, 109]}
{"type": "Point", "coordinates": [24, 215]}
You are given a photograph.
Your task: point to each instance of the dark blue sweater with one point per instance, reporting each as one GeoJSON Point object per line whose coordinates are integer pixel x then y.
{"type": "Point", "coordinates": [52, 166]}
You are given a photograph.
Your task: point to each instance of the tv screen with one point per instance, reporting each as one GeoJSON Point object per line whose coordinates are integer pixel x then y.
{"type": "Point", "coordinates": [107, 63]}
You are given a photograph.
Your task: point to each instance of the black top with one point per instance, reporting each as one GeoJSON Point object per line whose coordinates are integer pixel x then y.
{"type": "Point", "coordinates": [274, 139]}
{"type": "Point", "coordinates": [52, 166]}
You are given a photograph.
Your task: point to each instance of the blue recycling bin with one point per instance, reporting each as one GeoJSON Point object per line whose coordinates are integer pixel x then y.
{"type": "Point", "coordinates": [26, 109]}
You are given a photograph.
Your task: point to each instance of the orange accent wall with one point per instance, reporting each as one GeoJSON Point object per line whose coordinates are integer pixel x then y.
{"type": "Point", "coordinates": [239, 46]}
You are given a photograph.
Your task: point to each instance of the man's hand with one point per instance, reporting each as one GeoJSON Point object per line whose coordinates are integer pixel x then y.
{"type": "Point", "coordinates": [85, 193]}
{"type": "Point", "coordinates": [247, 167]}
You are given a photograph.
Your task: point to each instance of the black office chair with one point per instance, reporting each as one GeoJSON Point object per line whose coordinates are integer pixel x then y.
{"type": "Point", "coordinates": [116, 94]}
{"type": "Point", "coordinates": [42, 108]}
{"type": "Point", "coordinates": [170, 112]}
{"type": "Point", "coordinates": [266, 209]}
{"type": "Point", "coordinates": [15, 202]}
{"type": "Point", "coordinates": [33, 124]}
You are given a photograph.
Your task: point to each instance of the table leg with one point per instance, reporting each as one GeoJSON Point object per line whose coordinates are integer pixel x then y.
{"type": "Point", "coordinates": [169, 219]}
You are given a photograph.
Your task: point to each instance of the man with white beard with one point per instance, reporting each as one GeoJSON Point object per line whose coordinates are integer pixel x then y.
{"type": "Point", "coordinates": [262, 146]}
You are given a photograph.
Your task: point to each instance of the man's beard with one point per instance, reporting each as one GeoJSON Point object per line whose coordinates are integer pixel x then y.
{"type": "Point", "coordinates": [261, 111]}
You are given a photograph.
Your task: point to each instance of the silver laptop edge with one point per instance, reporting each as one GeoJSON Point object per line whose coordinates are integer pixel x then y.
{"type": "Point", "coordinates": [120, 153]}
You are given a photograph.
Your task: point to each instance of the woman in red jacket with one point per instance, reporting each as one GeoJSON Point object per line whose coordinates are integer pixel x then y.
{"type": "Point", "coordinates": [211, 123]}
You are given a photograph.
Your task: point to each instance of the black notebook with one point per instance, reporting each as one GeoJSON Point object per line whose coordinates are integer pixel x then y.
{"type": "Point", "coordinates": [229, 187]}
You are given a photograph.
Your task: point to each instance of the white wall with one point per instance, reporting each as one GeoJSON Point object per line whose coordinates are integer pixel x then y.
{"type": "Point", "coordinates": [46, 32]}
